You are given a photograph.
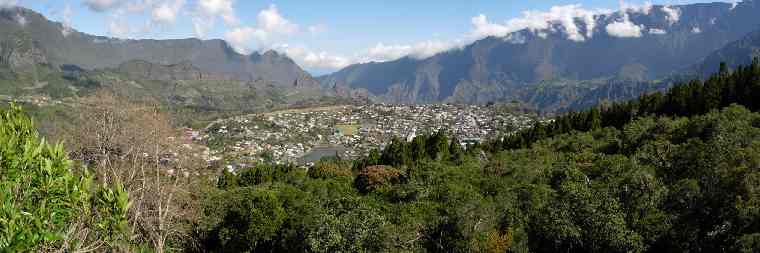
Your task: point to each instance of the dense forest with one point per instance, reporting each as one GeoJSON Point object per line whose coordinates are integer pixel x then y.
{"type": "Point", "coordinates": [672, 172]}
{"type": "Point", "coordinates": [742, 86]}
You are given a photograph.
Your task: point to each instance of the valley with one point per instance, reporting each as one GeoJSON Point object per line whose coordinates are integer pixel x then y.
{"type": "Point", "coordinates": [305, 136]}
{"type": "Point", "coordinates": [162, 126]}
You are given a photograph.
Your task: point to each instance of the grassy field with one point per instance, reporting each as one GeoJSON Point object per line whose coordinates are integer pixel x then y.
{"type": "Point", "coordinates": [348, 129]}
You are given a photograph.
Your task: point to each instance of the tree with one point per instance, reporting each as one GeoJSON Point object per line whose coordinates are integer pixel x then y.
{"type": "Point", "coordinates": [438, 146]}
{"type": "Point", "coordinates": [396, 153]}
{"type": "Point", "coordinates": [244, 219]}
{"type": "Point", "coordinates": [456, 153]}
{"type": "Point", "coordinates": [134, 143]}
{"type": "Point", "coordinates": [350, 225]}
{"type": "Point", "coordinates": [373, 177]}
{"type": "Point", "coordinates": [44, 205]}
{"type": "Point", "coordinates": [723, 70]}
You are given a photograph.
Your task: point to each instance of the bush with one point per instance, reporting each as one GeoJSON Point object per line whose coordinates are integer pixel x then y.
{"type": "Point", "coordinates": [376, 176]}
{"type": "Point", "coordinates": [330, 168]}
{"type": "Point", "coordinates": [42, 202]}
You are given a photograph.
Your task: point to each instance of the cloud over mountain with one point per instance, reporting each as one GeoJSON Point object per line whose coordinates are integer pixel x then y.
{"type": "Point", "coordinates": [382, 52]}
{"type": "Point", "coordinates": [673, 14]}
{"type": "Point", "coordinates": [313, 60]}
{"type": "Point", "coordinates": [66, 20]}
{"type": "Point", "coordinates": [208, 11]}
{"type": "Point", "coordinates": [657, 31]}
{"type": "Point", "coordinates": [270, 25]}
{"type": "Point", "coordinates": [624, 28]}
{"type": "Point", "coordinates": [645, 8]}
{"type": "Point", "coordinates": [166, 11]}
{"type": "Point", "coordinates": [574, 21]}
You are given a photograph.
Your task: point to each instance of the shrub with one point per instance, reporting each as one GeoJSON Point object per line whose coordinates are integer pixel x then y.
{"type": "Point", "coordinates": [330, 168]}
{"type": "Point", "coordinates": [42, 202]}
{"type": "Point", "coordinates": [373, 177]}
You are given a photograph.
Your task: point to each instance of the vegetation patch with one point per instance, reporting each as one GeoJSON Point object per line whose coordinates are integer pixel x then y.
{"type": "Point", "coordinates": [348, 129]}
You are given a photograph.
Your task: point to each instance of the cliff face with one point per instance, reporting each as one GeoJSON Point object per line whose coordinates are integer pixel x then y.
{"type": "Point", "coordinates": [20, 53]}
{"type": "Point", "coordinates": [143, 70]}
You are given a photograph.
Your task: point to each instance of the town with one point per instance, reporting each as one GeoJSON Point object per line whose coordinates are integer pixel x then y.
{"type": "Point", "coordinates": [305, 136]}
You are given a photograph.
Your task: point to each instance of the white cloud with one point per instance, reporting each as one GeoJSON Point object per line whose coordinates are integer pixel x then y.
{"type": "Point", "coordinates": [201, 26]}
{"type": "Point", "coordinates": [208, 11]}
{"type": "Point", "coordinates": [222, 8]}
{"type": "Point", "coordinates": [166, 11]}
{"type": "Point", "coordinates": [102, 5]}
{"type": "Point", "coordinates": [271, 21]}
{"type": "Point", "coordinates": [240, 38]}
{"type": "Point", "coordinates": [517, 38]}
{"type": "Point", "coordinates": [21, 20]}
{"type": "Point", "coordinates": [566, 16]}
{"type": "Point", "coordinates": [326, 61]}
{"type": "Point", "coordinates": [696, 30]}
{"type": "Point", "coordinates": [271, 27]}
{"type": "Point", "coordinates": [734, 3]}
{"type": "Point", "coordinates": [119, 28]}
{"type": "Point", "coordinates": [624, 29]}
{"type": "Point", "coordinates": [121, 15]}
{"type": "Point", "coordinates": [382, 52]}
{"type": "Point", "coordinates": [656, 31]}
{"type": "Point", "coordinates": [314, 60]}
{"type": "Point", "coordinates": [644, 8]}
{"type": "Point", "coordinates": [673, 14]}
{"type": "Point", "coordinates": [66, 20]}
{"type": "Point", "coordinates": [484, 28]}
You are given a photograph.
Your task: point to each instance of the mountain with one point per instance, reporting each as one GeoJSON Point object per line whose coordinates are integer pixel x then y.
{"type": "Point", "coordinates": [144, 70]}
{"type": "Point", "coordinates": [45, 64]}
{"type": "Point", "coordinates": [54, 44]}
{"type": "Point", "coordinates": [740, 52]}
{"type": "Point", "coordinates": [521, 65]}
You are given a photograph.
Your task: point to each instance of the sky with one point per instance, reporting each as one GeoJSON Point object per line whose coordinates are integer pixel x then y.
{"type": "Point", "coordinates": [324, 36]}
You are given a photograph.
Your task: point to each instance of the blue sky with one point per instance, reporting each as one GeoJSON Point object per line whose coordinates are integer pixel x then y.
{"type": "Point", "coordinates": [321, 36]}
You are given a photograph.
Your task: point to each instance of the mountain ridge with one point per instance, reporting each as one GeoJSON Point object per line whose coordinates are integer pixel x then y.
{"type": "Point", "coordinates": [64, 46]}
{"type": "Point", "coordinates": [499, 65]}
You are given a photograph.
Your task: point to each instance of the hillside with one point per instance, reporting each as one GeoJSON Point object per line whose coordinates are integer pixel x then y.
{"type": "Point", "coordinates": [58, 45]}
{"type": "Point", "coordinates": [44, 63]}
{"type": "Point", "coordinates": [511, 69]}
{"type": "Point", "coordinates": [737, 53]}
